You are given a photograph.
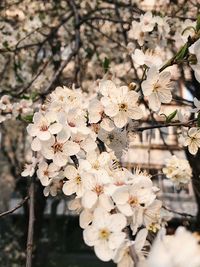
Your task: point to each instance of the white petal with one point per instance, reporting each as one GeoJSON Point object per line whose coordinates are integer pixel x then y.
{"type": "Point", "coordinates": [116, 239]}
{"type": "Point", "coordinates": [89, 199]}
{"type": "Point", "coordinates": [69, 188]}
{"type": "Point", "coordinates": [121, 119]}
{"type": "Point", "coordinates": [117, 222]}
{"type": "Point", "coordinates": [103, 252]}
{"type": "Point", "coordinates": [55, 128]}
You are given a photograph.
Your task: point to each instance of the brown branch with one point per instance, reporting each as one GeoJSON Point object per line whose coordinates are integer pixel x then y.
{"type": "Point", "coordinates": [29, 246]}
{"type": "Point", "coordinates": [178, 124]}
{"type": "Point", "coordinates": [179, 213]}
{"type": "Point", "coordinates": [19, 205]}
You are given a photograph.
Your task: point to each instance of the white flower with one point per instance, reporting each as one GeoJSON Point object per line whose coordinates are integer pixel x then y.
{"type": "Point", "coordinates": [59, 148]}
{"type": "Point", "coordinates": [123, 257]}
{"type": "Point", "coordinates": [119, 103]}
{"type": "Point", "coordinates": [192, 140]}
{"type": "Point", "coordinates": [105, 233]}
{"type": "Point", "coordinates": [115, 140]}
{"type": "Point", "coordinates": [147, 22]}
{"type": "Point", "coordinates": [53, 187]}
{"type": "Point", "coordinates": [195, 49]}
{"type": "Point", "coordinates": [97, 165]}
{"type": "Point", "coordinates": [178, 170]}
{"type": "Point", "coordinates": [95, 111]}
{"type": "Point", "coordinates": [23, 107]}
{"type": "Point", "coordinates": [95, 194]}
{"type": "Point", "coordinates": [75, 183]}
{"type": "Point", "coordinates": [43, 126]}
{"type": "Point", "coordinates": [47, 172]}
{"type": "Point", "coordinates": [130, 197]}
{"type": "Point", "coordinates": [30, 168]}
{"type": "Point", "coordinates": [166, 250]}
{"type": "Point", "coordinates": [65, 99]}
{"type": "Point", "coordinates": [149, 58]}
{"type": "Point", "coordinates": [157, 87]}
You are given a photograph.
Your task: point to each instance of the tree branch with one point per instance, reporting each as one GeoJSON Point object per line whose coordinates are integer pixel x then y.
{"type": "Point", "coordinates": [19, 205]}
{"type": "Point", "coordinates": [29, 246]}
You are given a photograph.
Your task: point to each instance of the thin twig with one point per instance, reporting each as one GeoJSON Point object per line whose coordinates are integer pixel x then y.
{"type": "Point", "coordinates": [19, 205]}
{"type": "Point", "coordinates": [177, 212]}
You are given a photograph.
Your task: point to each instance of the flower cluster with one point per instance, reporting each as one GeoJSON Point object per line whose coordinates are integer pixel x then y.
{"type": "Point", "coordinates": [72, 157]}
{"type": "Point", "coordinates": [178, 170]}
{"type": "Point", "coordinates": [10, 110]}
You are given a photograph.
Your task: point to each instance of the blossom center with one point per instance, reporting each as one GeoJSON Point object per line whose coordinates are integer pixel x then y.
{"type": "Point", "coordinates": [123, 107]}
{"type": "Point", "coordinates": [133, 201]}
{"type": "Point", "coordinates": [43, 128]}
{"type": "Point", "coordinates": [104, 234]}
{"type": "Point", "coordinates": [46, 173]}
{"type": "Point", "coordinates": [156, 87]}
{"type": "Point", "coordinates": [57, 147]}
{"type": "Point", "coordinates": [98, 189]}
{"type": "Point", "coordinates": [78, 180]}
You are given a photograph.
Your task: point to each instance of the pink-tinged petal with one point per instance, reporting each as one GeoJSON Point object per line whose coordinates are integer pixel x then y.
{"type": "Point", "coordinates": [71, 148]}
{"type": "Point", "coordinates": [119, 94]}
{"type": "Point", "coordinates": [193, 148]}
{"type": "Point", "coordinates": [89, 199]}
{"type": "Point", "coordinates": [69, 188]}
{"type": "Point", "coordinates": [64, 135]}
{"type": "Point", "coordinates": [117, 222]}
{"type": "Point", "coordinates": [32, 130]}
{"type": "Point", "coordinates": [101, 218]}
{"type": "Point", "coordinates": [85, 218]}
{"type": "Point", "coordinates": [90, 235]}
{"type": "Point", "coordinates": [165, 96]}
{"type": "Point", "coordinates": [121, 119]}
{"type": "Point", "coordinates": [45, 181]}
{"type": "Point", "coordinates": [60, 159]}
{"type": "Point", "coordinates": [44, 135]}
{"type": "Point", "coordinates": [121, 196]}
{"type": "Point", "coordinates": [103, 252]}
{"type": "Point", "coordinates": [36, 144]}
{"type": "Point", "coordinates": [70, 172]}
{"type": "Point", "coordinates": [55, 128]}
{"type": "Point", "coordinates": [116, 239]}
{"type": "Point", "coordinates": [165, 77]}
{"type": "Point", "coordinates": [111, 110]}
{"type": "Point", "coordinates": [132, 98]}
{"type": "Point", "coordinates": [106, 86]}
{"type": "Point", "coordinates": [106, 202]}
{"type": "Point", "coordinates": [125, 209]}
{"type": "Point", "coordinates": [154, 102]}
{"type": "Point", "coordinates": [134, 113]}
{"type": "Point", "coordinates": [147, 88]}
{"type": "Point", "coordinates": [140, 239]}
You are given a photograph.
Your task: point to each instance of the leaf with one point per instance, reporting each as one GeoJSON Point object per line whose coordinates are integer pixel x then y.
{"type": "Point", "coordinates": [198, 23]}
{"type": "Point", "coordinates": [106, 64]}
{"type": "Point", "coordinates": [28, 118]}
{"type": "Point", "coordinates": [182, 52]}
{"type": "Point", "coordinates": [171, 116]}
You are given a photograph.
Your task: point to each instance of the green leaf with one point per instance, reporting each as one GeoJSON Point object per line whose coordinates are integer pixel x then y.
{"type": "Point", "coordinates": [198, 23]}
{"type": "Point", "coordinates": [28, 118]}
{"type": "Point", "coordinates": [198, 120]}
{"type": "Point", "coordinates": [182, 52]}
{"type": "Point", "coordinates": [171, 116]}
{"type": "Point", "coordinates": [106, 64]}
